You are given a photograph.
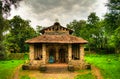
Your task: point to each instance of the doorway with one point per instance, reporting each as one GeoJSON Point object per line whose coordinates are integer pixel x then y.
{"type": "Point", "coordinates": [62, 55]}
{"type": "Point", "coordinates": [52, 56]}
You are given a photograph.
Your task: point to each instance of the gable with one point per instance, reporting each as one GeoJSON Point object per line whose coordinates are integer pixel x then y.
{"type": "Point", "coordinates": [56, 29]}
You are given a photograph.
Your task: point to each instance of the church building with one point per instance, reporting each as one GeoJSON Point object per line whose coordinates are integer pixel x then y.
{"type": "Point", "coordinates": [57, 45]}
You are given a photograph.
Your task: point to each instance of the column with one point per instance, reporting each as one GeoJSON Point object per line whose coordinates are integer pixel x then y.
{"type": "Point", "coordinates": [81, 52]}
{"type": "Point", "coordinates": [31, 55]}
{"type": "Point", "coordinates": [44, 53]}
{"type": "Point", "coordinates": [57, 54]}
{"type": "Point", "coordinates": [69, 52]}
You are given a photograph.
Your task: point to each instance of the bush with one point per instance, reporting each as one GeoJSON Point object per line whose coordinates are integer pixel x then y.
{"type": "Point", "coordinates": [2, 56]}
{"type": "Point", "coordinates": [18, 56]}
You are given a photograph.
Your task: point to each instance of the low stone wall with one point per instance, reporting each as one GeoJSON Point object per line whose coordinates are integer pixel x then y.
{"type": "Point", "coordinates": [32, 65]}
{"type": "Point", "coordinates": [77, 64]}
{"type": "Point", "coordinates": [36, 62]}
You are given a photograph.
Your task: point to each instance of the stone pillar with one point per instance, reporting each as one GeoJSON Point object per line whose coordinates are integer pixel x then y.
{"type": "Point", "coordinates": [44, 53]}
{"type": "Point", "coordinates": [31, 55]}
{"type": "Point", "coordinates": [69, 52]}
{"type": "Point", "coordinates": [57, 54]}
{"type": "Point", "coordinates": [81, 52]}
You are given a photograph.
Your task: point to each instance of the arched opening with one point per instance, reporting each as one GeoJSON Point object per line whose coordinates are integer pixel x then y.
{"type": "Point", "coordinates": [62, 55]}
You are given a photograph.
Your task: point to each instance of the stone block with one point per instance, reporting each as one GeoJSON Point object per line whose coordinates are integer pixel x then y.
{"type": "Point", "coordinates": [87, 66]}
{"type": "Point", "coordinates": [70, 67]}
{"type": "Point", "coordinates": [42, 68]}
{"type": "Point", "coordinates": [25, 67]}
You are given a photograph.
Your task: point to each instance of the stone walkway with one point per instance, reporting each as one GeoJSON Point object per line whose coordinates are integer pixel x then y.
{"type": "Point", "coordinates": [58, 71]}
{"type": "Point", "coordinates": [54, 71]}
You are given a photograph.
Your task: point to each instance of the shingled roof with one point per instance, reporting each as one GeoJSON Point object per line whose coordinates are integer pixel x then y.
{"type": "Point", "coordinates": [56, 39]}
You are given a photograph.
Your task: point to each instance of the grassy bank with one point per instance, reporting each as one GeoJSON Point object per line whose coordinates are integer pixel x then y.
{"type": "Point", "coordinates": [108, 64]}
{"type": "Point", "coordinates": [7, 68]}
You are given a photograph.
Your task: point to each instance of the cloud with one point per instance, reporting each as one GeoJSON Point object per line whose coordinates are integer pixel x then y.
{"type": "Point", "coordinates": [44, 12]}
{"type": "Point", "coordinates": [38, 6]}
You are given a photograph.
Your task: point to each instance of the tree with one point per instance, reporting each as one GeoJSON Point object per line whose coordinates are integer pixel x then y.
{"type": "Point", "coordinates": [20, 31]}
{"type": "Point", "coordinates": [38, 29]}
{"type": "Point", "coordinates": [77, 26]}
{"type": "Point", "coordinates": [94, 30]}
{"type": "Point", "coordinates": [112, 19]}
{"type": "Point", "coordinates": [5, 7]}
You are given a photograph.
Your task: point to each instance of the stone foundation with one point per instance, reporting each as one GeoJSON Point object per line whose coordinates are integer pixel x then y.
{"type": "Point", "coordinates": [77, 64]}
{"type": "Point", "coordinates": [33, 65]}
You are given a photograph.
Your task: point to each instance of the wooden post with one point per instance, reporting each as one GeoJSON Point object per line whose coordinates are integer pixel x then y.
{"type": "Point", "coordinates": [44, 53]}
{"type": "Point", "coordinates": [31, 55]}
{"type": "Point", "coordinates": [69, 52]}
{"type": "Point", "coordinates": [81, 52]}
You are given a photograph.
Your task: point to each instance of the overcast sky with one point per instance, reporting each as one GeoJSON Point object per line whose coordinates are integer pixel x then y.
{"type": "Point", "coordinates": [44, 12]}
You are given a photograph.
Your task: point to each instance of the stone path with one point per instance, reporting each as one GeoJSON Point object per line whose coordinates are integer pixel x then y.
{"type": "Point", "coordinates": [55, 71]}
{"type": "Point", "coordinates": [58, 71]}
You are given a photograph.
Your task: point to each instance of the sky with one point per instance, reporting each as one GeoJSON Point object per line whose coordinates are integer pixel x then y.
{"type": "Point", "coordinates": [45, 12]}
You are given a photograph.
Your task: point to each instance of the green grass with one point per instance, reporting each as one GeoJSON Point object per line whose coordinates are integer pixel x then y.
{"type": "Point", "coordinates": [25, 77]}
{"type": "Point", "coordinates": [7, 68]}
{"type": "Point", "coordinates": [108, 64]}
{"type": "Point", "coordinates": [85, 76]}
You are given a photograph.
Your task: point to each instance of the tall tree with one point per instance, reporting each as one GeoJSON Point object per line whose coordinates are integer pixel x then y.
{"type": "Point", "coordinates": [113, 15]}
{"type": "Point", "coordinates": [20, 31]}
{"type": "Point", "coordinates": [112, 19]}
{"type": "Point", "coordinates": [5, 7]}
{"type": "Point", "coordinates": [77, 26]}
{"type": "Point", "coordinates": [38, 28]}
{"type": "Point", "coordinates": [94, 31]}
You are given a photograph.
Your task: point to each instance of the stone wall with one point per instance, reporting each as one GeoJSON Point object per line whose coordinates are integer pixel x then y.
{"type": "Point", "coordinates": [77, 64]}
{"type": "Point", "coordinates": [35, 64]}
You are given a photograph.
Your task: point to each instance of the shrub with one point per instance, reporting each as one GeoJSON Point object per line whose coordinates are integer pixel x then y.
{"type": "Point", "coordinates": [18, 56]}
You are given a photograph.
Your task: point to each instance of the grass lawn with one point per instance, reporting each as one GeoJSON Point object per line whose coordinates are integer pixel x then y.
{"type": "Point", "coordinates": [108, 64]}
{"type": "Point", "coordinates": [83, 75]}
{"type": "Point", "coordinates": [7, 68]}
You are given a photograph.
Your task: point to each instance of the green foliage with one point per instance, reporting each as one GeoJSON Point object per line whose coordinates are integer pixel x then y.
{"type": "Point", "coordinates": [113, 16]}
{"type": "Point", "coordinates": [108, 64]}
{"type": "Point", "coordinates": [3, 28]}
{"type": "Point", "coordinates": [20, 31]}
{"type": "Point", "coordinates": [5, 7]}
{"type": "Point", "coordinates": [38, 29]}
{"type": "Point", "coordinates": [85, 76]}
{"type": "Point", "coordinates": [7, 68]}
{"type": "Point", "coordinates": [77, 26]}
{"type": "Point", "coordinates": [93, 19]}
{"type": "Point", "coordinates": [100, 34]}
{"type": "Point", "coordinates": [112, 26]}
{"type": "Point", "coordinates": [18, 56]}
{"type": "Point", "coordinates": [92, 30]}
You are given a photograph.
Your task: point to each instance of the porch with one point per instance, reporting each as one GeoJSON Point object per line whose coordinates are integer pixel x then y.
{"type": "Point", "coordinates": [56, 53]}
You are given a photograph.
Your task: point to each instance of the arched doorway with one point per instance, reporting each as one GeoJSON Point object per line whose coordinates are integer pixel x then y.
{"type": "Point", "coordinates": [52, 56]}
{"type": "Point", "coordinates": [62, 55]}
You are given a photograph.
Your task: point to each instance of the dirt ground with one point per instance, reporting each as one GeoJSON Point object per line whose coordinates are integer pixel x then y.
{"type": "Point", "coordinates": [54, 71]}
{"type": "Point", "coordinates": [96, 72]}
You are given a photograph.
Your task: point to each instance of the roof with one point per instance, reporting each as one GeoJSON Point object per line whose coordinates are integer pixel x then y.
{"type": "Point", "coordinates": [56, 39]}
{"type": "Point", "coordinates": [56, 25]}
